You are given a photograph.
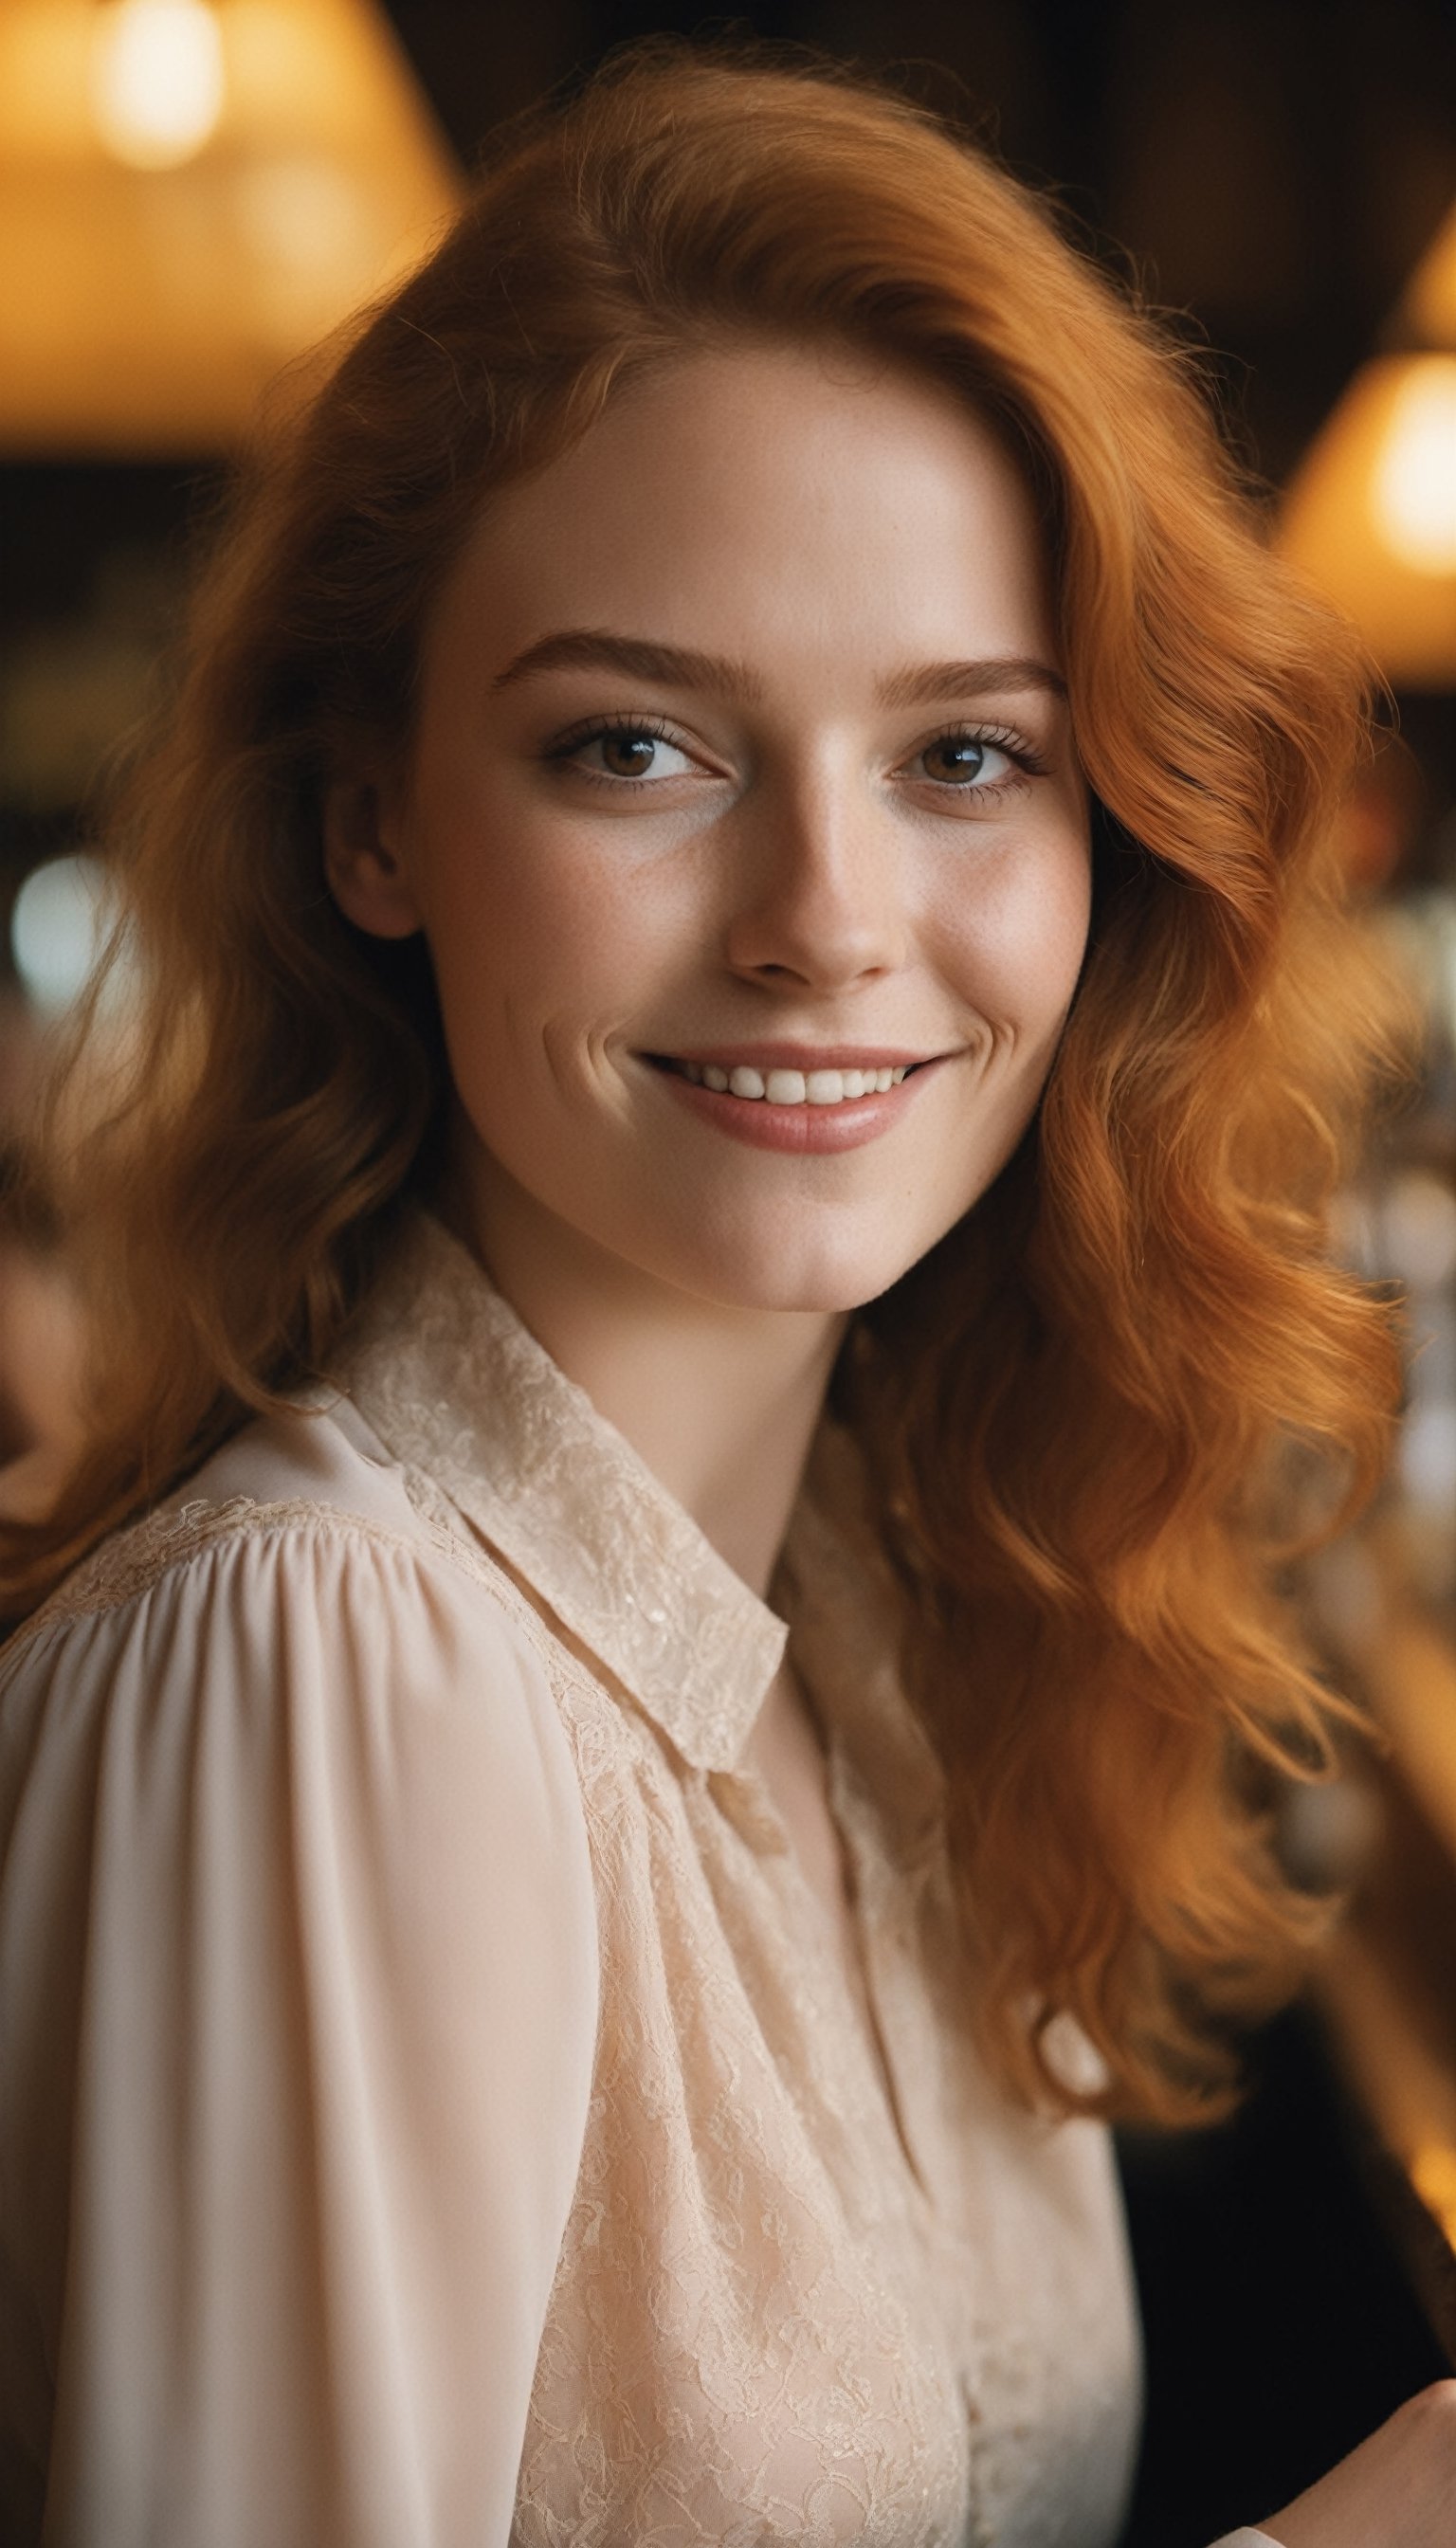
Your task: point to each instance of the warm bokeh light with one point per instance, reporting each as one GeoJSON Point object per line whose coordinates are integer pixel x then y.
{"type": "Point", "coordinates": [1414, 490]}
{"type": "Point", "coordinates": [1434, 2176]}
{"type": "Point", "coordinates": [191, 195]}
{"type": "Point", "coordinates": [157, 80]}
{"type": "Point", "coordinates": [1370, 514]}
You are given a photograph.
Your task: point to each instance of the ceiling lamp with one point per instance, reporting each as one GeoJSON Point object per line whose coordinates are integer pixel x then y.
{"type": "Point", "coordinates": [191, 193]}
{"type": "Point", "coordinates": [1371, 511]}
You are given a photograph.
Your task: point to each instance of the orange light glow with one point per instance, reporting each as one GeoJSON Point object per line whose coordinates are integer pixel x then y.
{"type": "Point", "coordinates": [1433, 2174]}
{"type": "Point", "coordinates": [1370, 514]}
{"type": "Point", "coordinates": [1415, 487]}
{"type": "Point", "coordinates": [192, 193]}
{"type": "Point", "coordinates": [157, 80]}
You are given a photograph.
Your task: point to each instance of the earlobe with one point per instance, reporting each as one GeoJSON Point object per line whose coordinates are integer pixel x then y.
{"type": "Point", "coordinates": [362, 863]}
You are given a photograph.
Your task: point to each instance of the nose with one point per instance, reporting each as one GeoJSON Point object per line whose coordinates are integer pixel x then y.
{"type": "Point", "coordinates": [821, 898]}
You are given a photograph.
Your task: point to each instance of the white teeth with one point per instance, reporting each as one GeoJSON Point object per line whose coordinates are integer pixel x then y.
{"type": "Point", "coordinates": [785, 1088]}
{"type": "Point", "coordinates": [792, 1088]}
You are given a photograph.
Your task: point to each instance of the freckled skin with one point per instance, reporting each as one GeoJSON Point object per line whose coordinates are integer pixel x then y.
{"type": "Point", "coordinates": [805, 865]}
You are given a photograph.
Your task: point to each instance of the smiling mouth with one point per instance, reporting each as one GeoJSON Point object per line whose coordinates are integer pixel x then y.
{"type": "Point", "coordinates": [787, 1087]}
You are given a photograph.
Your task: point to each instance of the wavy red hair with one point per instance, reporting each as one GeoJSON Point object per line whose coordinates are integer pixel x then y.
{"type": "Point", "coordinates": [1079, 1408]}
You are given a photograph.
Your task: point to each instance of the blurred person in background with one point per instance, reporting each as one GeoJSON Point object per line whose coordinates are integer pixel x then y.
{"type": "Point", "coordinates": [657, 1686]}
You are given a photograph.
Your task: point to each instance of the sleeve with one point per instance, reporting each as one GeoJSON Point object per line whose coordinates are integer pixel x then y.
{"type": "Point", "coordinates": [297, 1989]}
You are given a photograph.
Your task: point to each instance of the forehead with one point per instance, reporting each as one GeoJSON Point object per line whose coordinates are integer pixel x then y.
{"type": "Point", "coordinates": [764, 500]}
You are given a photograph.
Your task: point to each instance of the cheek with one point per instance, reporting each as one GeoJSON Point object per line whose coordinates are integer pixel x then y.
{"type": "Point", "coordinates": [1021, 940]}
{"type": "Point", "coordinates": [1052, 949]}
{"type": "Point", "coordinates": [543, 956]}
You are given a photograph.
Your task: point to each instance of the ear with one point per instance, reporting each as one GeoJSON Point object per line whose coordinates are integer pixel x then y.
{"type": "Point", "coordinates": [362, 861]}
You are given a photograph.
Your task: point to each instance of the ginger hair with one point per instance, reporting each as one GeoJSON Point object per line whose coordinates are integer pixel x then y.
{"type": "Point", "coordinates": [1083, 1409]}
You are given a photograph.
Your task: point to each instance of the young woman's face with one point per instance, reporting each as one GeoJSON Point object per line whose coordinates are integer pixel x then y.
{"type": "Point", "coordinates": [743, 764]}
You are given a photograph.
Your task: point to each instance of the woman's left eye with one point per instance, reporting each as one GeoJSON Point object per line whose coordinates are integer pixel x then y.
{"type": "Point", "coordinates": [974, 762]}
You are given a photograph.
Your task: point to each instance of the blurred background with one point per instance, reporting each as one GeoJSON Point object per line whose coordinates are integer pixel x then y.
{"type": "Point", "coordinates": [192, 191]}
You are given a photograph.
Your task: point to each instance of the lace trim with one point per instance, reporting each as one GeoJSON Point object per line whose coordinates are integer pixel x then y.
{"type": "Point", "coordinates": [135, 1560]}
{"type": "Point", "coordinates": [451, 1538]}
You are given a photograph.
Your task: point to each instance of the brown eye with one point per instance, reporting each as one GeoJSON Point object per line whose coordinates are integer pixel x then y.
{"type": "Point", "coordinates": [626, 754]}
{"type": "Point", "coordinates": [955, 757]}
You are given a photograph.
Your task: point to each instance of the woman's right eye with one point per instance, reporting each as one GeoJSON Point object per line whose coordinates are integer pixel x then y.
{"type": "Point", "coordinates": [624, 754]}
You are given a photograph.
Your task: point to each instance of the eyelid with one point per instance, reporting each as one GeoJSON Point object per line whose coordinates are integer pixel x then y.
{"type": "Point", "coordinates": [619, 721]}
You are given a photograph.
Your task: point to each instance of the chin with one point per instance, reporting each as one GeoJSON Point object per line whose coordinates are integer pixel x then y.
{"type": "Point", "coordinates": [822, 1282]}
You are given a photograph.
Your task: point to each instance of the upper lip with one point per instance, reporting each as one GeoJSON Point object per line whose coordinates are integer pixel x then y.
{"type": "Point", "coordinates": [798, 1056]}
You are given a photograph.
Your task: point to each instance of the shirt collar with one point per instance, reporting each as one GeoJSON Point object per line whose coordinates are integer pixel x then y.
{"type": "Point", "coordinates": [456, 1385]}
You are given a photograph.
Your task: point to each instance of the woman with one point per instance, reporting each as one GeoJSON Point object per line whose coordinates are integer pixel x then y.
{"type": "Point", "coordinates": [747, 831]}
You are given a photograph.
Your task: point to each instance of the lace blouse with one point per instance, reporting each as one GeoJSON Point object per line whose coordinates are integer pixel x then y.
{"type": "Point", "coordinates": [434, 2114]}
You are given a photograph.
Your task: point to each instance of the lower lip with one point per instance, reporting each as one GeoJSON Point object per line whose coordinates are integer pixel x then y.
{"type": "Point", "coordinates": [808, 1130]}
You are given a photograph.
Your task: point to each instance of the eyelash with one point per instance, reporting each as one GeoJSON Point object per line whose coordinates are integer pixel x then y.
{"type": "Point", "coordinates": [1028, 763]}
{"type": "Point", "coordinates": [656, 729]}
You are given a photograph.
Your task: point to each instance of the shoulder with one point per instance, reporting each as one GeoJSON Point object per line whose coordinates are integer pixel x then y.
{"type": "Point", "coordinates": [286, 1663]}
{"type": "Point", "coordinates": [294, 1579]}
{"type": "Point", "coordinates": [305, 1487]}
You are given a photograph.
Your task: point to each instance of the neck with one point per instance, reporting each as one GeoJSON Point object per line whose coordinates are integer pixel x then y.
{"type": "Point", "coordinates": [719, 1402]}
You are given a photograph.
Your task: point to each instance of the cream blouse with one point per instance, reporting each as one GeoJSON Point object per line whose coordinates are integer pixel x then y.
{"type": "Point", "coordinates": [433, 2112]}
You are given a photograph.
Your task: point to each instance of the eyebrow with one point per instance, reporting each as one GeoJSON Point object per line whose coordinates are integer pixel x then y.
{"type": "Point", "coordinates": [920, 685]}
{"type": "Point", "coordinates": [644, 659]}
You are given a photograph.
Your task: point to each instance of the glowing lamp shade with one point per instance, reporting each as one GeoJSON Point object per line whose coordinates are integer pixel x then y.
{"type": "Point", "coordinates": [1415, 488]}
{"type": "Point", "coordinates": [1370, 514]}
{"type": "Point", "coordinates": [192, 193]}
{"type": "Point", "coordinates": [157, 80]}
